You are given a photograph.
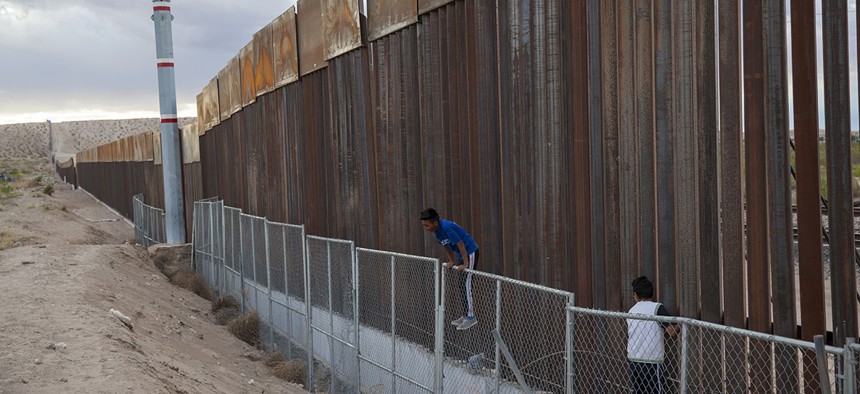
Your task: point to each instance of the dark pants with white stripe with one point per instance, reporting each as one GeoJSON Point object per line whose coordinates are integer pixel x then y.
{"type": "Point", "coordinates": [647, 378]}
{"type": "Point", "coordinates": [465, 282]}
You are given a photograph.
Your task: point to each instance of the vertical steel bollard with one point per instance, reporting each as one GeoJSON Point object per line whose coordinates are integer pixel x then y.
{"type": "Point", "coordinates": [685, 338]}
{"type": "Point", "coordinates": [498, 352]}
{"type": "Point", "coordinates": [393, 334]}
{"type": "Point", "coordinates": [308, 312]}
{"type": "Point", "coordinates": [269, 287]}
{"type": "Point", "coordinates": [568, 345]}
{"type": "Point", "coordinates": [440, 328]}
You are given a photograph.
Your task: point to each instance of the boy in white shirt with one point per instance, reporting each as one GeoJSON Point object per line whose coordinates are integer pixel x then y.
{"type": "Point", "coordinates": [645, 340]}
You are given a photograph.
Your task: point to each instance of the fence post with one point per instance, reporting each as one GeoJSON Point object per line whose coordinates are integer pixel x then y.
{"type": "Point", "coordinates": [393, 333]}
{"type": "Point", "coordinates": [211, 241]}
{"type": "Point", "coordinates": [331, 340]}
{"type": "Point", "coordinates": [685, 338]}
{"type": "Point", "coordinates": [568, 346]}
{"type": "Point", "coordinates": [288, 309]}
{"type": "Point", "coordinates": [821, 356]}
{"type": "Point", "coordinates": [269, 286]}
{"type": "Point", "coordinates": [440, 328]}
{"type": "Point", "coordinates": [355, 315]}
{"type": "Point", "coordinates": [242, 263]}
{"type": "Point", "coordinates": [849, 384]}
{"type": "Point", "coordinates": [309, 310]}
{"type": "Point", "coordinates": [498, 329]}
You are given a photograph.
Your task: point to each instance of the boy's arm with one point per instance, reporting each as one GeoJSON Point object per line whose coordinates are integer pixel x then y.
{"type": "Point", "coordinates": [671, 329]}
{"type": "Point", "coordinates": [465, 255]}
{"type": "Point", "coordinates": [452, 258]}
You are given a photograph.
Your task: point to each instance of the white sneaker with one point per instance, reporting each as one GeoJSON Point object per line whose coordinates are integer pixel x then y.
{"type": "Point", "coordinates": [468, 323]}
{"type": "Point", "coordinates": [459, 321]}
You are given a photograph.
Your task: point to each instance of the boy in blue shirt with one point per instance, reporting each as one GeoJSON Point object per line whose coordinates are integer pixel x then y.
{"type": "Point", "coordinates": [460, 247]}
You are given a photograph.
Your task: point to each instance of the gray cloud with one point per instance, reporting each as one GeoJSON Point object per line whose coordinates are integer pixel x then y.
{"type": "Point", "coordinates": [62, 57]}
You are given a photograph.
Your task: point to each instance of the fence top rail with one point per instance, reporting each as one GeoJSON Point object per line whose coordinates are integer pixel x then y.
{"type": "Point", "coordinates": [252, 216]}
{"type": "Point", "coordinates": [708, 325]}
{"type": "Point", "coordinates": [288, 225]}
{"type": "Point", "coordinates": [335, 240]}
{"type": "Point", "coordinates": [395, 254]}
{"type": "Point", "coordinates": [518, 282]}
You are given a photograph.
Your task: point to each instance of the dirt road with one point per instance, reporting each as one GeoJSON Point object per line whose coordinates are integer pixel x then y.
{"type": "Point", "coordinates": [65, 262]}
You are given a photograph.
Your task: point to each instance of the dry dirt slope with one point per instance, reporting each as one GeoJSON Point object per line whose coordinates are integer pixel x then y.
{"type": "Point", "coordinates": [64, 264]}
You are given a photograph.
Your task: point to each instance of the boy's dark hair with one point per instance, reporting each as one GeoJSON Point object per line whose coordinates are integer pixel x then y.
{"type": "Point", "coordinates": [429, 214]}
{"type": "Point", "coordinates": [643, 287]}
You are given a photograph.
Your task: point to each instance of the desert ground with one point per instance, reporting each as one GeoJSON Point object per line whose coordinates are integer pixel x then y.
{"type": "Point", "coordinates": [66, 262]}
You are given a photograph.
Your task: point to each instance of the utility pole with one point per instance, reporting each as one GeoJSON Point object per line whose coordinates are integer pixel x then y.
{"type": "Point", "coordinates": [174, 211]}
{"type": "Point", "coordinates": [50, 142]}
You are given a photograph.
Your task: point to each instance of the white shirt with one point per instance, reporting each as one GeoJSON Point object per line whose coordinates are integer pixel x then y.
{"type": "Point", "coordinates": [645, 337]}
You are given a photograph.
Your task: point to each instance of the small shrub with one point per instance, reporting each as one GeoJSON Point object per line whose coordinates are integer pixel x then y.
{"type": "Point", "coordinates": [38, 179]}
{"type": "Point", "coordinates": [225, 315]}
{"type": "Point", "coordinates": [48, 190]}
{"type": "Point", "coordinates": [292, 371]}
{"type": "Point", "coordinates": [224, 302]}
{"type": "Point", "coordinates": [246, 328]}
{"type": "Point", "coordinates": [7, 189]}
{"type": "Point", "coordinates": [194, 282]}
{"type": "Point", "coordinates": [274, 359]}
{"type": "Point", "coordinates": [64, 209]}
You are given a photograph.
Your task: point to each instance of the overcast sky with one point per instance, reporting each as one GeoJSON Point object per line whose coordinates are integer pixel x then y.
{"type": "Point", "coordinates": [89, 59]}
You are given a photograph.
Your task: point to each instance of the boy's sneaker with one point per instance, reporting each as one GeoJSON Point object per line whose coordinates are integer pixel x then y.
{"type": "Point", "coordinates": [468, 323]}
{"type": "Point", "coordinates": [459, 321]}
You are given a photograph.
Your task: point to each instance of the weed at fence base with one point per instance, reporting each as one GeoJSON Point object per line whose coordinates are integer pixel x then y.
{"type": "Point", "coordinates": [194, 282]}
{"type": "Point", "coordinates": [246, 328]}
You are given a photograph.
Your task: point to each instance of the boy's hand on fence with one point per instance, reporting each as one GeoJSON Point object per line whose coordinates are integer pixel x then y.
{"type": "Point", "coordinates": [460, 267]}
{"type": "Point", "coordinates": [448, 264]}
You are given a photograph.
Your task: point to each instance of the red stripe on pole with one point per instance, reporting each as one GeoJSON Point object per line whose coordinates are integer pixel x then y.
{"type": "Point", "coordinates": [165, 64]}
{"type": "Point", "coordinates": [169, 120]}
{"type": "Point", "coordinates": [161, 8]}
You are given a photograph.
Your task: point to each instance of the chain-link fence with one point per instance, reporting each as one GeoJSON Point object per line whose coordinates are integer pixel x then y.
{"type": "Point", "coordinates": [148, 223]}
{"type": "Point", "coordinates": [363, 320]}
{"type": "Point", "coordinates": [623, 352]}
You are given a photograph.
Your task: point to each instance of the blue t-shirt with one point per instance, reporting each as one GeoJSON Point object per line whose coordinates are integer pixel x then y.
{"type": "Point", "coordinates": [449, 234]}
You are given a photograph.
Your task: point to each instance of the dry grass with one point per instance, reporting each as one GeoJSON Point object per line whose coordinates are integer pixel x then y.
{"type": "Point", "coordinates": [274, 359]}
{"type": "Point", "coordinates": [194, 282]}
{"type": "Point", "coordinates": [292, 371]}
{"type": "Point", "coordinates": [7, 241]}
{"type": "Point", "coordinates": [224, 302]}
{"type": "Point", "coordinates": [246, 328]}
{"type": "Point", "coordinates": [225, 309]}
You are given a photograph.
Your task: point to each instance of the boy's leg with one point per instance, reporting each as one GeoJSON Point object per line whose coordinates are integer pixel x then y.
{"type": "Point", "coordinates": [470, 309]}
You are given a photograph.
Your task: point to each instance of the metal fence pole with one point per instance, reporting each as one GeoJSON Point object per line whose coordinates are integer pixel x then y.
{"type": "Point", "coordinates": [499, 329]}
{"type": "Point", "coordinates": [568, 346]}
{"type": "Point", "coordinates": [440, 328]}
{"type": "Point", "coordinates": [269, 286]}
{"type": "Point", "coordinates": [849, 384]}
{"type": "Point", "coordinates": [685, 338]}
{"type": "Point", "coordinates": [211, 240]}
{"type": "Point", "coordinates": [355, 315]}
{"type": "Point", "coordinates": [330, 316]}
{"type": "Point", "coordinates": [242, 263]}
{"type": "Point", "coordinates": [821, 356]}
{"type": "Point", "coordinates": [308, 313]}
{"type": "Point", "coordinates": [393, 334]}
{"type": "Point", "coordinates": [288, 310]}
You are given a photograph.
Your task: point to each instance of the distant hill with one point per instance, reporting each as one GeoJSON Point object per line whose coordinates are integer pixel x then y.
{"type": "Point", "coordinates": [31, 139]}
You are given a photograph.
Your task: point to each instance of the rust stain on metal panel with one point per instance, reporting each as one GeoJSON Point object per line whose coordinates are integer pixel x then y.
{"type": "Point", "coordinates": [211, 110]}
{"type": "Point", "coordinates": [286, 55]}
{"type": "Point", "coordinates": [309, 24]}
{"type": "Point", "coordinates": [201, 105]}
{"type": "Point", "coordinates": [341, 27]}
{"type": "Point", "coordinates": [148, 150]}
{"type": "Point", "coordinates": [425, 6]}
{"type": "Point", "coordinates": [387, 16]}
{"type": "Point", "coordinates": [246, 71]}
{"type": "Point", "coordinates": [264, 65]}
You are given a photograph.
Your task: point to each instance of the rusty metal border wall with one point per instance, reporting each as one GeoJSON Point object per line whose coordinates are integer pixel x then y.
{"type": "Point", "coordinates": [576, 140]}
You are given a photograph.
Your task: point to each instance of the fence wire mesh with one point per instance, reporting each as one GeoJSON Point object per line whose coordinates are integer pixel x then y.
{"type": "Point", "coordinates": [361, 320]}
{"type": "Point", "coordinates": [148, 222]}
{"type": "Point", "coordinates": [621, 352]}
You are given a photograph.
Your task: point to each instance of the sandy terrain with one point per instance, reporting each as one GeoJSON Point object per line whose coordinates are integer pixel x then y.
{"type": "Point", "coordinates": [64, 264]}
{"type": "Point", "coordinates": [31, 139]}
